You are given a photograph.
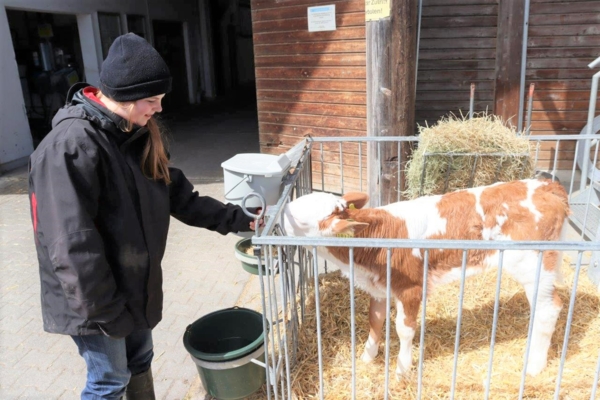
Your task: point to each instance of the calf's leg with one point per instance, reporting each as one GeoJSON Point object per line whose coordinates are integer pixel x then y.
{"type": "Point", "coordinates": [407, 308]}
{"type": "Point", "coordinates": [547, 308]}
{"type": "Point", "coordinates": [376, 320]}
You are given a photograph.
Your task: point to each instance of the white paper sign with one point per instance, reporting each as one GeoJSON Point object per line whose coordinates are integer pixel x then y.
{"type": "Point", "coordinates": [321, 18]}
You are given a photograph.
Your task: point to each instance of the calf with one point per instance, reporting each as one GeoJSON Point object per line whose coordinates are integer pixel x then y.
{"type": "Point", "coordinates": [521, 210]}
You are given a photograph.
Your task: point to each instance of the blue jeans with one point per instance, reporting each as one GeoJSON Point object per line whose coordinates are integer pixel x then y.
{"type": "Point", "coordinates": [111, 362]}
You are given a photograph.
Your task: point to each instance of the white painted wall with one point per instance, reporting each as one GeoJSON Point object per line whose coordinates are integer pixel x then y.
{"type": "Point", "coordinates": [15, 141]}
{"type": "Point", "coordinates": [15, 138]}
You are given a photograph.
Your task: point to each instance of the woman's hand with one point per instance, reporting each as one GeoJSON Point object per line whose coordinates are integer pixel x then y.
{"type": "Point", "coordinates": [261, 222]}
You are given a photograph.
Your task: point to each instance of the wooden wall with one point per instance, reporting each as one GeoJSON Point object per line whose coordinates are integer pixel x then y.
{"type": "Point", "coordinates": [308, 83]}
{"type": "Point", "coordinates": [314, 83]}
{"type": "Point", "coordinates": [564, 37]}
{"type": "Point", "coordinates": [457, 48]}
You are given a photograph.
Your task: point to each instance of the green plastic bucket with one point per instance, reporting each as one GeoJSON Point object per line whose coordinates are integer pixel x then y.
{"type": "Point", "coordinates": [223, 344]}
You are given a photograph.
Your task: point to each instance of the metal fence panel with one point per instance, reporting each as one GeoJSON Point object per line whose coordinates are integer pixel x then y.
{"type": "Point", "coordinates": [298, 266]}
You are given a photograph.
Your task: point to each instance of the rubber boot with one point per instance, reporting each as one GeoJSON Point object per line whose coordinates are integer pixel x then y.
{"type": "Point", "coordinates": [140, 387]}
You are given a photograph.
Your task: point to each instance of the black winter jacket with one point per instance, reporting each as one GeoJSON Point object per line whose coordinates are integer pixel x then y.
{"type": "Point", "coordinates": [100, 225]}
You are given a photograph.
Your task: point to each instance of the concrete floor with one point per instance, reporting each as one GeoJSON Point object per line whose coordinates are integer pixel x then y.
{"type": "Point", "coordinates": [204, 136]}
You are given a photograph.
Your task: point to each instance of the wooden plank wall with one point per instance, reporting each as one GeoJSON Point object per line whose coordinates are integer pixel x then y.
{"type": "Point", "coordinates": [457, 48]}
{"type": "Point", "coordinates": [313, 83]}
{"type": "Point", "coordinates": [564, 37]}
{"type": "Point", "coordinates": [310, 83]}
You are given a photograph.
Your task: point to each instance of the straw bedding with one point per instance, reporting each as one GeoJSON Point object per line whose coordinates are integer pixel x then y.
{"type": "Point", "coordinates": [450, 169]}
{"type": "Point", "coordinates": [439, 344]}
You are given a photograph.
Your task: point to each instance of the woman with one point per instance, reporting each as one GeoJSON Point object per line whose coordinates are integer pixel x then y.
{"type": "Point", "coordinates": [101, 197]}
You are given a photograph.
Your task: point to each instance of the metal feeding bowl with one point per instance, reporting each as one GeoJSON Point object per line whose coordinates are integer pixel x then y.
{"type": "Point", "coordinates": [244, 253]}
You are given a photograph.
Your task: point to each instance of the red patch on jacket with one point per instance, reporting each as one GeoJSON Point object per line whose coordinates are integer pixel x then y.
{"type": "Point", "coordinates": [34, 212]}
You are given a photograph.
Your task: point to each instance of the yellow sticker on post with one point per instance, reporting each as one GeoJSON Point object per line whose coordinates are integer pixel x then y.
{"type": "Point", "coordinates": [376, 9]}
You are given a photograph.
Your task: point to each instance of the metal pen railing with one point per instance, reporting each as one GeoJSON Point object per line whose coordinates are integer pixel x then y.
{"type": "Point", "coordinates": [304, 266]}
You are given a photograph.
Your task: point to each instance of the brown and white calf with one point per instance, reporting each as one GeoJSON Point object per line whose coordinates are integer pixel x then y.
{"type": "Point", "coordinates": [521, 210]}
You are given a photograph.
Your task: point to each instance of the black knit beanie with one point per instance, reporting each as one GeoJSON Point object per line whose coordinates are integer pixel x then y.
{"type": "Point", "coordinates": [133, 70]}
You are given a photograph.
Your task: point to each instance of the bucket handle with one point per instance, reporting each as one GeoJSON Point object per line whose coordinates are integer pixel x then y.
{"type": "Point", "coordinates": [246, 178]}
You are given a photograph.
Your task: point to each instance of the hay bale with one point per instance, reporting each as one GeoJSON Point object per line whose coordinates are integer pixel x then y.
{"type": "Point", "coordinates": [472, 367]}
{"type": "Point", "coordinates": [458, 153]}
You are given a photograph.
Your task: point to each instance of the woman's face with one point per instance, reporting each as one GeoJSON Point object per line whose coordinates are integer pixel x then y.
{"type": "Point", "coordinates": [143, 109]}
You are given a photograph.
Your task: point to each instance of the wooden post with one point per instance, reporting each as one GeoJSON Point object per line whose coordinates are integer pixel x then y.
{"type": "Point", "coordinates": [391, 51]}
{"type": "Point", "coordinates": [509, 46]}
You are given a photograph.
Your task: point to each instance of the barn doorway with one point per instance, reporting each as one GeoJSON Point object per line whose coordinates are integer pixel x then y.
{"type": "Point", "coordinates": [169, 42]}
{"type": "Point", "coordinates": [49, 58]}
{"type": "Point", "coordinates": [232, 47]}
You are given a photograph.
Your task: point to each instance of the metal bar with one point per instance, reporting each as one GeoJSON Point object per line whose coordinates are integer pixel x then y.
{"type": "Point", "coordinates": [494, 323]}
{"type": "Point", "coordinates": [318, 313]}
{"type": "Point", "coordinates": [555, 162]}
{"type": "Point", "coordinates": [308, 173]}
{"type": "Point", "coordinates": [498, 169]}
{"type": "Point", "coordinates": [379, 165]}
{"type": "Point", "coordinates": [419, 15]}
{"type": "Point", "coordinates": [589, 194]}
{"type": "Point", "coordinates": [473, 170]}
{"type": "Point", "coordinates": [472, 101]}
{"type": "Point", "coordinates": [423, 172]}
{"type": "Point", "coordinates": [595, 384]}
{"type": "Point", "coordinates": [285, 305]}
{"type": "Point", "coordinates": [449, 168]}
{"type": "Point", "coordinates": [523, 65]}
{"type": "Point", "coordinates": [529, 109]}
{"type": "Point", "coordinates": [322, 170]}
{"type": "Point", "coordinates": [499, 154]}
{"type": "Point", "coordinates": [422, 335]}
{"type": "Point", "coordinates": [590, 122]}
{"type": "Point", "coordinates": [265, 328]}
{"type": "Point", "coordinates": [573, 169]}
{"type": "Point", "coordinates": [294, 308]}
{"type": "Point", "coordinates": [302, 256]}
{"type": "Point", "coordinates": [272, 329]}
{"type": "Point", "coordinates": [416, 138]}
{"type": "Point", "coordinates": [563, 355]}
{"type": "Point", "coordinates": [352, 321]}
{"type": "Point", "coordinates": [360, 169]}
{"type": "Point", "coordinates": [341, 168]}
{"type": "Point", "coordinates": [429, 243]}
{"type": "Point", "coordinates": [399, 172]}
{"type": "Point", "coordinates": [531, 321]}
{"type": "Point", "coordinates": [274, 318]}
{"type": "Point", "coordinates": [594, 63]}
{"type": "Point", "coordinates": [461, 296]}
{"type": "Point", "coordinates": [388, 296]}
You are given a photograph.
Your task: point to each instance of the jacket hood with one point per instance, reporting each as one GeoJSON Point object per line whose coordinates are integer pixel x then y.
{"type": "Point", "coordinates": [79, 106]}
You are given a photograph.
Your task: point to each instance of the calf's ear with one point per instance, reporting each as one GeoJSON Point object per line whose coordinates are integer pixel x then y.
{"type": "Point", "coordinates": [356, 199]}
{"type": "Point", "coordinates": [348, 227]}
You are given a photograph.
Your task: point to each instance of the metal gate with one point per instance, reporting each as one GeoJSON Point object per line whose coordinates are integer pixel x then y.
{"type": "Point", "coordinates": [292, 281]}
{"type": "Point", "coordinates": [294, 288]}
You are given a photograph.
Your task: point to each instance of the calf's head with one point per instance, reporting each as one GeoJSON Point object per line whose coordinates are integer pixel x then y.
{"type": "Point", "coordinates": [324, 215]}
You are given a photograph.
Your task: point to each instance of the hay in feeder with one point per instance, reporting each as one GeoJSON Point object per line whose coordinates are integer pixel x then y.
{"type": "Point", "coordinates": [473, 358]}
{"type": "Point", "coordinates": [458, 153]}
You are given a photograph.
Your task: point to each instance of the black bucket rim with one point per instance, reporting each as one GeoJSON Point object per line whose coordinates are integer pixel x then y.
{"type": "Point", "coordinates": [229, 355]}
